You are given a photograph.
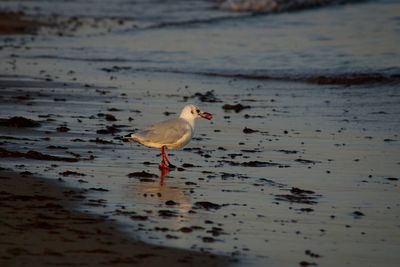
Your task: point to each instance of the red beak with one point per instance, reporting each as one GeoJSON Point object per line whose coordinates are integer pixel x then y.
{"type": "Point", "coordinates": [206, 115]}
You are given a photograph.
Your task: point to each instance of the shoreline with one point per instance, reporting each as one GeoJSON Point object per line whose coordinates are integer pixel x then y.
{"type": "Point", "coordinates": [40, 226]}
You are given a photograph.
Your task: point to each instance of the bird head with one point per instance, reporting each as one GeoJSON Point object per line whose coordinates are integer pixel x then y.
{"type": "Point", "coordinates": [194, 112]}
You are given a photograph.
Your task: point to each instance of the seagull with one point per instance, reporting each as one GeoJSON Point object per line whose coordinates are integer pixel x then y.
{"type": "Point", "coordinates": [170, 134]}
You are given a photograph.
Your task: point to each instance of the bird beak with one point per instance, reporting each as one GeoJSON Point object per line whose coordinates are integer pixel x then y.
{"type": "Point", "coordinates": [206, 115]}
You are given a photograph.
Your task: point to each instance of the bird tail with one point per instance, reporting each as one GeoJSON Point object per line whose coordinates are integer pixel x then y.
{"type": "Point", "coordinates": [130, 138]}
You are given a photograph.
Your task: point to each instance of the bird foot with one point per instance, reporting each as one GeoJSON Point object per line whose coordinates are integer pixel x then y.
{"type": "Point", "coordinates": [163, 166]}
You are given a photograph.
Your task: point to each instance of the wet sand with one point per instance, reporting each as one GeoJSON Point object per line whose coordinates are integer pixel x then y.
{"type": "Point", "coordinates": [40, 226]}
{"type": "Point", "coordinates": [318, 181]}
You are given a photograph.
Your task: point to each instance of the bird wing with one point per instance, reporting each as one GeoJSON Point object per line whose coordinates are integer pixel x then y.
{"type": "Point", "coordinates": [166, 132]}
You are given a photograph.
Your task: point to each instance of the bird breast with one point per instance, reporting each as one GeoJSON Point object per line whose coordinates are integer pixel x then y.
{"type": "Point", "coordinates": [183, 141]}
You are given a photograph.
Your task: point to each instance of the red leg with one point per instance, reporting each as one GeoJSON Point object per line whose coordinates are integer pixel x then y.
{"type": "Point", "coordinates": [165, 164]}
{"type": "Point", "coordinates": [164, 160]}
{"type": "Point", "coordinates": [167, 160]}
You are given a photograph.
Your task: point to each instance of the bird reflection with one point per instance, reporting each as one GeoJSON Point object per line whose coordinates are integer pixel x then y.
{"type": "Point", "coordinates": [166, 189]}
{"type": "Point", "coordinates": [163, 172]}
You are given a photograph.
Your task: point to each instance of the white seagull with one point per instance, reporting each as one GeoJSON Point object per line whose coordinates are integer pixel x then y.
{"type": "Point", "coordinates": [171, 134]}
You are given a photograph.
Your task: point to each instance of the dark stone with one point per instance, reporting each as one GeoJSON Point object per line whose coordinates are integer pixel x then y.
{"type": "Point", "coordinates": [249, 131]}
{"type": "Point", "coordinates": [206, 205]}
{"type": "Point", "coordinates": [207, 97]}
{"type": "Point", "coordinates": [235, 107]}
{"type": "Point", "coordinates": [171, 203]}
{"type": "Point", "coordinates": [167, 213]}
{"type": "Point", "coordinates": [110, 117]}
{"type": "Point", "coordinates": [357, 214]}
{"type": "Point", "coordinates": [139, 218]}
{"type": "Point", "coordinates": [186, 230]}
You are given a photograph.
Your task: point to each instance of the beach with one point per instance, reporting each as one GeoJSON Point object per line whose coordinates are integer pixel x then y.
{"type": "Point", "coordinates": [299, 166]}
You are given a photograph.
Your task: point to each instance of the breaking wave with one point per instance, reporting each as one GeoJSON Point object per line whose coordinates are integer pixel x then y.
{"type": "Point", "coordinates": [272, 6]}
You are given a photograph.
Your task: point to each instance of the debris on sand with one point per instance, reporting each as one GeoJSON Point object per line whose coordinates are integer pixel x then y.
{"type": "Point", "coordinates": [312, 254]}
{"type": "Point", "coordinates": [207, 239]}
{"type": "Point", "coordinates": [108, 130]}
{"type": "Point", "coordinates": [69, 173]}
{"type": "Point", "coordinates": [19, 122]}
{"type": "Point", "coordinates": [101, 141]}
{"type": "Point", "coordinates": [167, 113]}
{"type": "Point", "coordinates": [167, 213]}
{"type": "Point", "coordinates": [257, 163]}
{"type": "Point", "coordinates": [296, 190]}
{"type": "Point", "coordinates": [299, 196]}
{"type": "Point", "coordinates": [110, 117]}
{"type": "Point", "coordinates": [141, 174]}
{"type": "Point", "coordinates": [307, 161]}
{"type": "Point", "coordinates": [188, 165]}
{"type": "Point", "coordinates": [4, 153]}
{"type": "Point", "coordinates": [285, 151]}
{"type": "Point", "coordinates": [265, 181]}
{"type": "Point", "coordinates": [358, 214]}
{"type": "Point", "coordinates": [306, 210]}
{"type": "Point", "coordinates": [249, 130]}
{"type": "Point", "coordinates": [186, 230]}
{"type": "Point", "coordinates": [114, 109]}
{"type": "Point", "coordinates": [171, 203]}
{"type": "Point", "coordinates": [63, 129]}
{"type": "Point", "coordinates": [236, 107]}
{"type": "Point", "coordinates": [208, 96]}
{"type": "Point", "coordinates": [171, 236]}
{"type": "Point", "coordinates": [254, 163]}
{"type": "Point", "coordinates": [388, 140]}
{"type": "Point", "coordinates": [306, 263]}
{"type": "Point", "coordinates": [247, 116]}
{"type": "Point", "coordinates": [256, 150]}
{"type": "Point", "coordinates": [139, 218]}
{"type": "Point", "coordinates": [99, 189]}
{"type": "Point", "coordinates": [216, 231]}
{"type": "Point", "coordinates": [206, 205]}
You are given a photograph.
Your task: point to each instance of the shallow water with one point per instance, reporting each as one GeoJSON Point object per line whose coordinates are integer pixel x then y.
{"type": "Point", "coordinates": [349, 132]}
